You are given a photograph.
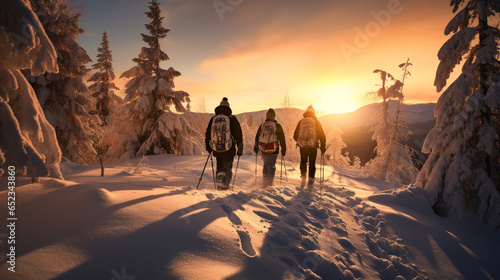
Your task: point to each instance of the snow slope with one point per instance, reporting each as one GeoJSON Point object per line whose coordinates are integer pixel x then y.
{"type": "Point", "coordinates": [155, 225]}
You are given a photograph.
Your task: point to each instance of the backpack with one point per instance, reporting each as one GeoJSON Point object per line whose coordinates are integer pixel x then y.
{"type": "Point", "coordinates": [307, 133]}
{"type": "Point", "coordinates": [268, 140]}
{"type": "Point", "coordinates": [221, 139]}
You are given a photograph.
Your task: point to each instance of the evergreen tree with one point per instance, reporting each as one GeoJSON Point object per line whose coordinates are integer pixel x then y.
{"type": "Point", "coordinates": [462, 170]}
{"type": "Point", "coordinates": [103, 87]}
{"type": "Point", "coordinates": [28, 141]}
{"type": "Point", "coordinates": [64, 97]}
{"type": "Point", "coordinates": [393, 162]}
{"type": "Point", "coordinates": [334, 149]}
{"type": "Point", "coordinates": [151, 127]}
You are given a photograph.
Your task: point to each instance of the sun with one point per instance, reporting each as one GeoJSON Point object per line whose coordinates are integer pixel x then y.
{"type": "Point", "coordinates": [336, 98]}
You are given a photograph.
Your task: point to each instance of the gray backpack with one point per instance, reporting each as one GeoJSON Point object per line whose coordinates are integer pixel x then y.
{"type": "Point", "coordinates": [308, 137]}
{"type": "Point", "coordinates": [221, 139]}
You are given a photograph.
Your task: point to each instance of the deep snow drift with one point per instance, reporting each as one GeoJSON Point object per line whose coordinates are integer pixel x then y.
{"type": "Point", "coordinates": [155, 225]}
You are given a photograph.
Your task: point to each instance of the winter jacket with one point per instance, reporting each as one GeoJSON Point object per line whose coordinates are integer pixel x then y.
{"type": "Point", "coordinates": [319, 131]}
{"type": "Point", "coordinates": [279, 133]}
{"type": "Point", "coordinates": [235, 128]}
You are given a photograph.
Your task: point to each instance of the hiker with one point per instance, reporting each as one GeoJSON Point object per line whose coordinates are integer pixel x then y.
{"type": "Point", "coordinates": [269, 139]}
{"type": "Point", "coordinates": [307, 134]}
{"type": "Point", "coordinates": [222, 137]}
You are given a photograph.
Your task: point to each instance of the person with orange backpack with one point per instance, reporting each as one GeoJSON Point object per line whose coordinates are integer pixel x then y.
{"type": "Point", "coordinates": [222, 137]}
{"type": "Point", "coordinates": [307, 135]}
{"type": "Point", "coordinates": [270, 137]}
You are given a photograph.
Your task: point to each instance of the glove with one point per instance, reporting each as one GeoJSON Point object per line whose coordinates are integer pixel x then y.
{"type": "Point", "coordinates": [208, 148]}
{"type": "Point", "coordinates": [240, 149]}
{"type": "Point", "coordinates": [323, 150]}
{"type": "Point", "coordinates": [283, 152]}
{"type": "Point", "coordinates": [256, 149]}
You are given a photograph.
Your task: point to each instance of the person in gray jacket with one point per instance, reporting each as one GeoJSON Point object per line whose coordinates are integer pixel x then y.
{"type": "Point", "coordinates": [270, 137]}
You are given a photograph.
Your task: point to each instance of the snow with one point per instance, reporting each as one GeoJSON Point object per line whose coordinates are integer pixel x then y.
{"type": "Point", "coordinates": [145, 219]}
{"type": "Point", "coordinates": [64, 96]}
{"type": "Point", "coordinates": [30, 143]}
{"type": "Point", "coordinates": [461, 171]}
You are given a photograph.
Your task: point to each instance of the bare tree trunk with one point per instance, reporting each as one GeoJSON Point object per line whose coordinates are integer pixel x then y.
{"type": "Point", "coordinates": [102, 166]}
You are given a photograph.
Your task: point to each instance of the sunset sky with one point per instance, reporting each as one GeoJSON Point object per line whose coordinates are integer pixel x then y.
{"type": "Point", "coordinates": [323, 52]}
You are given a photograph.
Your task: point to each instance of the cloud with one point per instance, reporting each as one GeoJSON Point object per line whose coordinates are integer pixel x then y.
{"type": "Point", "coordinates": [264, 48]}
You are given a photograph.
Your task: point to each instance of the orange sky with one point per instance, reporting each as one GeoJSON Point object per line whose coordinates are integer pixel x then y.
{"type": "Point", "coordinates": [305, 57]}
{"type": "Point", "coordinates": [258, 50]}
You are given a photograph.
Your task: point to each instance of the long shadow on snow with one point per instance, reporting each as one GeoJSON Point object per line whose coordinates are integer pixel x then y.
{"type": "Point", "coordinates": [465, 250]}
{"type": "Point", "coordinates": [148, 252]}
{"type": "Point", "coordinates": [69, 212]}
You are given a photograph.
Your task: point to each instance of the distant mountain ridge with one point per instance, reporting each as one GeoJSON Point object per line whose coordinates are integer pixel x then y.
{"type": "Point", "coordinates": [411, 114]}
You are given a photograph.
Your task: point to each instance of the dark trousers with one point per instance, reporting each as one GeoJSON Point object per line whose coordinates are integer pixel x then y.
{"type": "Point", "coordinates": [308, 155]}
{"type": "Point", "coordinates": [225, 165]}
{"type": "Point", "coordinates": [269, 168]}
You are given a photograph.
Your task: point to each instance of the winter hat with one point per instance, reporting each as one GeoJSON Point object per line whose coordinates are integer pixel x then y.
{"type": "Point", "coordinates": [310, 109]}
{"type": "Point", "coordinates": [270, 114]}
{"type": "Point", "coordinates": [224, 102]}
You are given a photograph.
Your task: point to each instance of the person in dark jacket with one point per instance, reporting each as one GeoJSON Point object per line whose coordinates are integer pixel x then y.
{"type": "Point", "coordinates": [309, 152]}
{"type": "Point", "coordinates": [225, 159]}
{"type": "Point", "coordinates": [269, 158]}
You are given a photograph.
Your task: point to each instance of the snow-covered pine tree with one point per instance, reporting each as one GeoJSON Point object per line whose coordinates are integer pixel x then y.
{"type": "Point", "coordinates": [28, 141]}
{"type": "Point", "coordinates": [103, 87]}
{"type": "Point", "coordinates": [64, 97]}
{"type": "Point", "coordinates": [334, 149]}
{"type": "Point", "coordinates": [400, 165]}
{"type": "Point", "coordinates": [462, 170]}
{"type": "Point", "coordinates": [392, 162]}
{"type": "Point", "coordinates": [150, 126]}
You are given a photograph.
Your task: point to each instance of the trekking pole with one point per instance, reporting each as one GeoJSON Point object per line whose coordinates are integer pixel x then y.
{"type": "Point", "coordinates": [213, 172]}
{"type": "Point", "coordinates": [322, 169]}
{"type": "Point", "coordinates": [284, 165]}
{"type": "Point", "coordinates": [236, 172]}
{"type": "Point", "coordinates": [203, 172]}
{"type": "Point", "coordinates": [255, 176]}
{"type": "Point", "coordinates": [281, 170]}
